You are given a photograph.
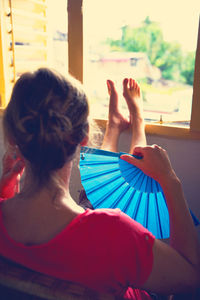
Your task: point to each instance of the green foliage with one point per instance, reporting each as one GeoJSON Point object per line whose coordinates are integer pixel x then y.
{"type": "Point", "coordinates": [147, 38]}
{"type": "Point", "coordinates": [167, 56]}
{"type": "Point", "coordinates": [169, 61]}
{"type": "Point", "coordinates": [187, 71]}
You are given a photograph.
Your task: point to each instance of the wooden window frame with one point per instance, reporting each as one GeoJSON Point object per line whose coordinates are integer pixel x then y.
{"type": "Point", "coordinates": [75, 63]}
{"type": "Point", "coordinates": [75, 44]}
{"type": "Point", "coordinates": [8, 48]}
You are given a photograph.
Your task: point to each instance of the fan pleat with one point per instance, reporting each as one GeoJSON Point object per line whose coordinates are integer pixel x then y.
{"type": "Point", "coordinates": [140, 215]}
{"type": "Point", "coordinates": [101, 182]}
{"type": "Point", "coordinates": [149, 185]}
{"type": "Point", "coordinates": [136, 199]}
{"type": "Point", "coordinates": [91, 158]}
{"type": "Point", "coordinates": [131, 205]}
{"type": "Point", "coordinates": [136, 181]}
{"type": "Point", "coordinates": [152, 216]}
{"type": "Point", "coordinates": [98, 170]}
{"type": "Point", "coordinates": [158, 219]}
{"type": "Point", "coordinates": [156, 187]}
{"type": "Point", "coordinates": [121, 197]}
{"type": "Point", "coordinates": [103, 197]}
{"type": "Point", "coordinates": [117, 198]}
{"type": "Point", "coordinates": [163, 213]}
{"type": "Point", "coordinates": [129, 173]}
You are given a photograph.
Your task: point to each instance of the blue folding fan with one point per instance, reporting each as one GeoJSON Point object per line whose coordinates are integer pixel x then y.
{"type": "Point", "coordinates": [111, 182]}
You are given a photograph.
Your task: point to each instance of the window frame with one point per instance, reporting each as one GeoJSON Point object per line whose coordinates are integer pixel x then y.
{"type": "Point", "coordinates": [75, 58]}
{"type": "Point", "coordinates": [75, 68]}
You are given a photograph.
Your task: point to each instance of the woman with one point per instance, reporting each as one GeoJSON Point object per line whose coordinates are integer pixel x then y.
{"type": "Point", "coordinates": [43, 228]}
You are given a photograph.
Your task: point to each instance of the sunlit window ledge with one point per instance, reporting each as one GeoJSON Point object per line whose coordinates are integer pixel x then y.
{"type": "Point", "coordinates": [157, 129]}
{"type": "Point", "coordinates": [167, 130]}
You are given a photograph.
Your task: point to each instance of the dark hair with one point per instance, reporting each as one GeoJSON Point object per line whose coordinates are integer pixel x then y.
{"type": "Point", "coordinates": [46, 118]}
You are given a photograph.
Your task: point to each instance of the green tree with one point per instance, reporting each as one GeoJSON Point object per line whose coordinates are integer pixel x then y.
{"type": "Point", "coordinates": [187, 71]}
{"type": "Point", "coordinates": [169, 60]}
{"type": "Point", "coordinates": [146, 38]}
{"type": "Point", "coordinates": [149, 38]}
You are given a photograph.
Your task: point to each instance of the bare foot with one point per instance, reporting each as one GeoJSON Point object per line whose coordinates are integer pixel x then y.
{"type": "Point", "coordinates": [116, 122]}
{"type": "Point", "coordinates": [132, 94]}
{"type": "Point", "coordinates": [115, 118]}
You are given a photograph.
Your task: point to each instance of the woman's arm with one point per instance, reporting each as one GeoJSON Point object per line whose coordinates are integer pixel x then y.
{"type": "Point", "coordinates": [176, 267]}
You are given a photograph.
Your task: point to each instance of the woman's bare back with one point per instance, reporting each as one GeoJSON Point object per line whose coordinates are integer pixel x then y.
{"type": "Point", "coordinates": [32, 222]}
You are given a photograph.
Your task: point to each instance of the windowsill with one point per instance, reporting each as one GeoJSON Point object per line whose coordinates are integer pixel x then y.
{"type": "Point", "coordinates": [172, 131]}
{"type": "Point", "coordinates": [157, 129]}
{"type": "Point", "coordinates": [166, 130]}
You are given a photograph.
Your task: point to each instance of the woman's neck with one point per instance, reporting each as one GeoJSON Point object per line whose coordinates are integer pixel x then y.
{"type": "Point", "coordinates": [57, 186]}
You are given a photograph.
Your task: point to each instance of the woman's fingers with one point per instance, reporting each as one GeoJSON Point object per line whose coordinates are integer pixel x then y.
{"type": "Point", "coordinates": [131, 160]}
{"type": "Point", "coordinates": [154, 163]}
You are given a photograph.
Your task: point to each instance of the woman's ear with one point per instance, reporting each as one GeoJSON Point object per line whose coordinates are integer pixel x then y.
{"type": "Point", "coordinates": [84, 141]}
{"type": "Point", "coordinates": [14, 149]}
{"type": "Point", "coordinates": [18, 152]}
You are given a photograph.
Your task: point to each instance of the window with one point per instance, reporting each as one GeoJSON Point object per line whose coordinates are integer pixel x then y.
{"type": "Point", "coordinates": [173, 122]}
{"type": "Point", "coordinates": [147, 41]}
{"type": "Point", "coordinates": [33, 34]}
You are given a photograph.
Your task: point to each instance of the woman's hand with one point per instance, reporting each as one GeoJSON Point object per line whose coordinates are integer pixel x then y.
{"type": "Point", "coordinates": [154, 163]}
{"type": "Point", "coordinates": [12, 170]}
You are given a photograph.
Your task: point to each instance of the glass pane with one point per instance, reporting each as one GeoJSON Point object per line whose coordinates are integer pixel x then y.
{"type": "Point", "coordinates": [58, 24]}
{"type": "Point", "coordinates": [153, 42]}
{"type": "Point", "coordinates": [40, 35]}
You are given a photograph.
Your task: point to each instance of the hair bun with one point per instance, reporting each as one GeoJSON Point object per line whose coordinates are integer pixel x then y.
{"type": "Point", "coordinates": [47, 137]}
{"type": "Point", "coordinates": [46, 118]}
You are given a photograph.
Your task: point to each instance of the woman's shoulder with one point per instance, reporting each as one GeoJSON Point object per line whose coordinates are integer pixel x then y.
{"type": "Point", "coordinates": [115, 218]}
{"type": "Point", "coordinates": [110, 214]}
{"type": "Point", "coordinates": [105, 214]}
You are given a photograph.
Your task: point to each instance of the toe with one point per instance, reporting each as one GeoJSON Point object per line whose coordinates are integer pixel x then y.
{"type": "Point", "coordinates": [125, 82]}
{"type": "Point", "coordinates": [111, 87]}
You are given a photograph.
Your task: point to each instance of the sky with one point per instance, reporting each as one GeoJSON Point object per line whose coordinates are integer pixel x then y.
{"type": "Point", "coordinates": [178, 18]}
{"type": "Point", "coordinates": [103, 18]}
